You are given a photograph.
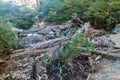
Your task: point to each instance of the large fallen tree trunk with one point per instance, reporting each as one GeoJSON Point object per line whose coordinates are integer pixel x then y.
{"type": "Point", "coordinates": [48, 43]}
{"type": "Point", "coordinates": [37, 48]}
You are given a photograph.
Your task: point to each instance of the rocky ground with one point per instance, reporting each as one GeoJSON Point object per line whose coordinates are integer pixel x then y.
{"type": "Point", "coordinates": [110, 66]}
{"type": "Point", "coordinates": [39, 43]}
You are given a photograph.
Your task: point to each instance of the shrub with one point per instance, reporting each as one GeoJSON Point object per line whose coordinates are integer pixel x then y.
{"type": "Point", "coordinates": [24, 19]}
{"type": "Point", "coordinates": [101, 13]}
{"type": "Point", "coordinates": [7, 40]}
{"type": "Point", "coordinates": [7, 8]}
{"type": "Point", "coordinates": [104, 14]}
{"type": "Point", "coordinates": [59, 11]}
{"type": "Point", "coordinates": [70, 49]}
{"type": "Point", "coordinates": [19, 16]}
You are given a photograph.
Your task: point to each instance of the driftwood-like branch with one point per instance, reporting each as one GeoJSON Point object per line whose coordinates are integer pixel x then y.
{"type": "Point", "coordinates": [106, 53]}
{"type": "Point", "coordinates": [47, 44]}
{"type": "Point", "coordinates": [28, 53]}
{"type": "Point", "coordinates": [115, 51]}
{"type": "Point", "coordinates": [109, 53]}
{"type": "Point", "coordinates": [37, 48]}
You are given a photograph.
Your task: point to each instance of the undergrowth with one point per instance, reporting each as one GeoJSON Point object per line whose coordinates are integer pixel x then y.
{"type": "Point", "coordinates": [71, 49]}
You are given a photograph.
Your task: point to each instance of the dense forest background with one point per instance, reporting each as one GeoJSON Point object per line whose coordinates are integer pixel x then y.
{"type": "Point", "coordinates": [100, 13]}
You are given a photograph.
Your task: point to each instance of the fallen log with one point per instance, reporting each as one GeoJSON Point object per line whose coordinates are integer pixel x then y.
{"type": "Point", "coordinates": [48, 43]}
{"type": "Point", "coordinates": [115, 50]}
{"type": "Point", "coordinates": [28, 53]}
{"type": "Point", "coordinates": [37, 48]}
{"type": "Point", "coordinates": [106, 53]}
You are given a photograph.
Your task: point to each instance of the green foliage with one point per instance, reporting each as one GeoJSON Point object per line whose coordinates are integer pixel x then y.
{"type": "Point", "coordinates": [47, 61]}
{"type": "Point", "coordinates": [19, 16]}
{"type": "Point", "coordinates": [24, 19]}
{"type": "Point", "coordinates": [49, 8]}
{"type": "Point", "coordinates": [12, 15]}
{"type": "Point", "coordinates": [104, 13]}
{"type": "Point", "coordinates": [59, 11]}
{"type": "Point", "coordinates": [101, 13]}
{"type": "Point", "coordinates": [6, 8]}
{"type": "Point", "coordinates": [7, 40]}
{"type": "Point", "coordinates": [71, 48]}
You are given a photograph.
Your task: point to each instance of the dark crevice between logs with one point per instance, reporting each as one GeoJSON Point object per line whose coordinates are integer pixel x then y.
{"type": "Point", "coordinates": [77, 69]}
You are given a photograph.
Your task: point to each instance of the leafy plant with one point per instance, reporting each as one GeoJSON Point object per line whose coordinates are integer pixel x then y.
{"type": "Point", "coordinates": [7, 8]}
{"type": "Point", "coordinates": [104, 14]}
{"type": "Point", "coordinates": [7, 36]}
{"type": "Point", "coordinates": [24, 19]}
{"type": "Point", "coordinates": [47, 60]}
{"type": "Point", "coordinates": [19, 16]}
{"type": "Point", "coordinates": [59, 11]}
{"type": "Point", "coordinates": [101, 13]}
{"type": "Point", "coordinates": [71, 48]}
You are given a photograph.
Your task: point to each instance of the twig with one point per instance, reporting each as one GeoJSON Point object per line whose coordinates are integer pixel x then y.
{"type": "Point", "coordinates": [88, 76]}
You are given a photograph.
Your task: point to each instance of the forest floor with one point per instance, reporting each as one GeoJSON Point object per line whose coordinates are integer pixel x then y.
{"type": "Point", "coordinates": [28, 62]}
{"type": "Point", "coordinates": [110, 66]}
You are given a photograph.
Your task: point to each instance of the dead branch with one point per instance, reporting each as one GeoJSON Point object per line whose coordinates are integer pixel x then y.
{"type": "Point", "coordinates": [46, 44]}
{"type": "Point", "coordinates": [115, 50]}
{"type": "Point", "coordinates": [28, 53]}
{"type": "Point", "coordinates": [106, 53]}
{"type": "Point", "coordinates": [37, 48]}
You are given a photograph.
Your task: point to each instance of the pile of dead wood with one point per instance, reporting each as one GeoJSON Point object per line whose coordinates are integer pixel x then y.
{"type": "Point", "coordinates": [78, 68]}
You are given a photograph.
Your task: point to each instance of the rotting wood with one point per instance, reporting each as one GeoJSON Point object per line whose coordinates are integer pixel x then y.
{"type": "Point", "coordinates": [28, 53]}
{"type": "Point", "coordinates": [106, 53]}
{"type": "Point", "coordinates": [37, 48]}
{"type": "Point", "coordinates": [46, 44]}
{"type": "Point", "coordinates": [115, 50]}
